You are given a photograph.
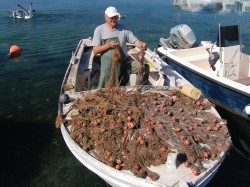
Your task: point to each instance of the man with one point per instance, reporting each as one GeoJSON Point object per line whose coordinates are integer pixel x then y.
{"type": "Point", "coordinates": [106, 38]}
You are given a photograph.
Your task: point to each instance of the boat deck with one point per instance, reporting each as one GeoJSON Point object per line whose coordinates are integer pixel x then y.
{"type": "Point", "coordinates": [196, 56]}
{"type": "Point", "coordinates": [200, 58]}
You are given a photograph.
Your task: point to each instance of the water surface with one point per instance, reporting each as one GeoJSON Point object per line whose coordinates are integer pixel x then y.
{"type": "Point", "coordinates": [33, 151]}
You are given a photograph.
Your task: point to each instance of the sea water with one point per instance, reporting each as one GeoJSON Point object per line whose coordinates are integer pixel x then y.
{"type": "Point", "coordinates": [33, 152]}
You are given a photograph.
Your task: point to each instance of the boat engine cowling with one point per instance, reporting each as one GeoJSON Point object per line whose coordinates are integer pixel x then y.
{"type": "Point", "coordinates": [181, 37]}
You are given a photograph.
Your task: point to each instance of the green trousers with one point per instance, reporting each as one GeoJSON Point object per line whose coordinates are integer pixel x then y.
{"type": "Point", "coordinates": [126, 67]}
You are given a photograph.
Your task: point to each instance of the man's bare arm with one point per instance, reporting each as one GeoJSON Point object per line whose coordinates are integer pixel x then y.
{"type": "Point", "coordinates": [103, 48]}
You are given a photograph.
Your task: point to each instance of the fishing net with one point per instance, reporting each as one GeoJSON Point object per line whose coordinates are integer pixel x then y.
{"type": "Point", "coordinates": [116, 60]}
{"type": "Point", "coordinates": [133, 130]}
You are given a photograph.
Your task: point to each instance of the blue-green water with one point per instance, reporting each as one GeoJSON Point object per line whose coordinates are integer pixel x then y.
{"type": "Point", "coordinates": [33, 152]}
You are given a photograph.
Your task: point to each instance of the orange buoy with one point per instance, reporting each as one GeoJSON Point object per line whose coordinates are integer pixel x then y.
{"type": "Point", "coordinates": [15, 51]}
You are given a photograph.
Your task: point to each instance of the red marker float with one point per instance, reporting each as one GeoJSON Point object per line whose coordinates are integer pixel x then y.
{"type": "Point", "coordinates": [15, 51]}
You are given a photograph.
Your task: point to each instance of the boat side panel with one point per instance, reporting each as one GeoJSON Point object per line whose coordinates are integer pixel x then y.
{"type": "Point", "coordinates": [214, 91]}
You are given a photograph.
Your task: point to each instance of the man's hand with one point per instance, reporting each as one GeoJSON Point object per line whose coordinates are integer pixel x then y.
{"type": "Point", "coordinates": [113, 44]}
{"type": "Point", "coordinates": [144, 46]}
{"type": "Point", "coordinates": [141, 45]}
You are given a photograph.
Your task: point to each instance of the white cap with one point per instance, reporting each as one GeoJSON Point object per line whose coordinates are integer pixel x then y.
{"type": "Point", "coordinates": [111, 12]}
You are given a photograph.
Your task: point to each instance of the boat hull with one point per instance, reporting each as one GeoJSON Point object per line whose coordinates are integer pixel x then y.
{"type": "Point", "coordinates": [117, 178]}
{"type": "Point", "coordinates": [181, 175]}
{"type": "Point", "coordinates": [217, 92]}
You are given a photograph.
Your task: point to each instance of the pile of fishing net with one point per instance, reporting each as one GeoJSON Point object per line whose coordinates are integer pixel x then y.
{"type": "Point", "coordinates": [133, 130]}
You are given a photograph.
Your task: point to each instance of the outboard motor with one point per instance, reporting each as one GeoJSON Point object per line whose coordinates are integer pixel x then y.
{"type": "Point", "coordinates": [181, 37]}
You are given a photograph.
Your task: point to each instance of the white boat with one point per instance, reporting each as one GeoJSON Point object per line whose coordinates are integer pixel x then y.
{"type": "Point", "coordinates": [23, 13]}
{"type": "Point", "coordinates": [221, 70]}
{"type": "Point", "coordinates": [81, 78]}
{"type": "Point", "coordinates": [219, 6]}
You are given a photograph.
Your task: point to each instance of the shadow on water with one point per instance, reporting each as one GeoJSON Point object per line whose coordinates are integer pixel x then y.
{"type": "Point", "coordinates": [21, 151]}
{"type": "Point", "coordinates": [234, 171]}
{"type": "Point", "coordinates": [34, 154]}
{"type": "Point", "coordinates": [239, 129]}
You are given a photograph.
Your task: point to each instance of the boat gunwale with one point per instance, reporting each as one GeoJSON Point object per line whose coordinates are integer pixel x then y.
{"type": "Point", "coordinates": [243, 89]}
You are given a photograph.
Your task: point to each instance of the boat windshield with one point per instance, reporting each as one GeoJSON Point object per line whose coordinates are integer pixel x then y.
{"type": "Point", "coordinates": [228, 36]}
